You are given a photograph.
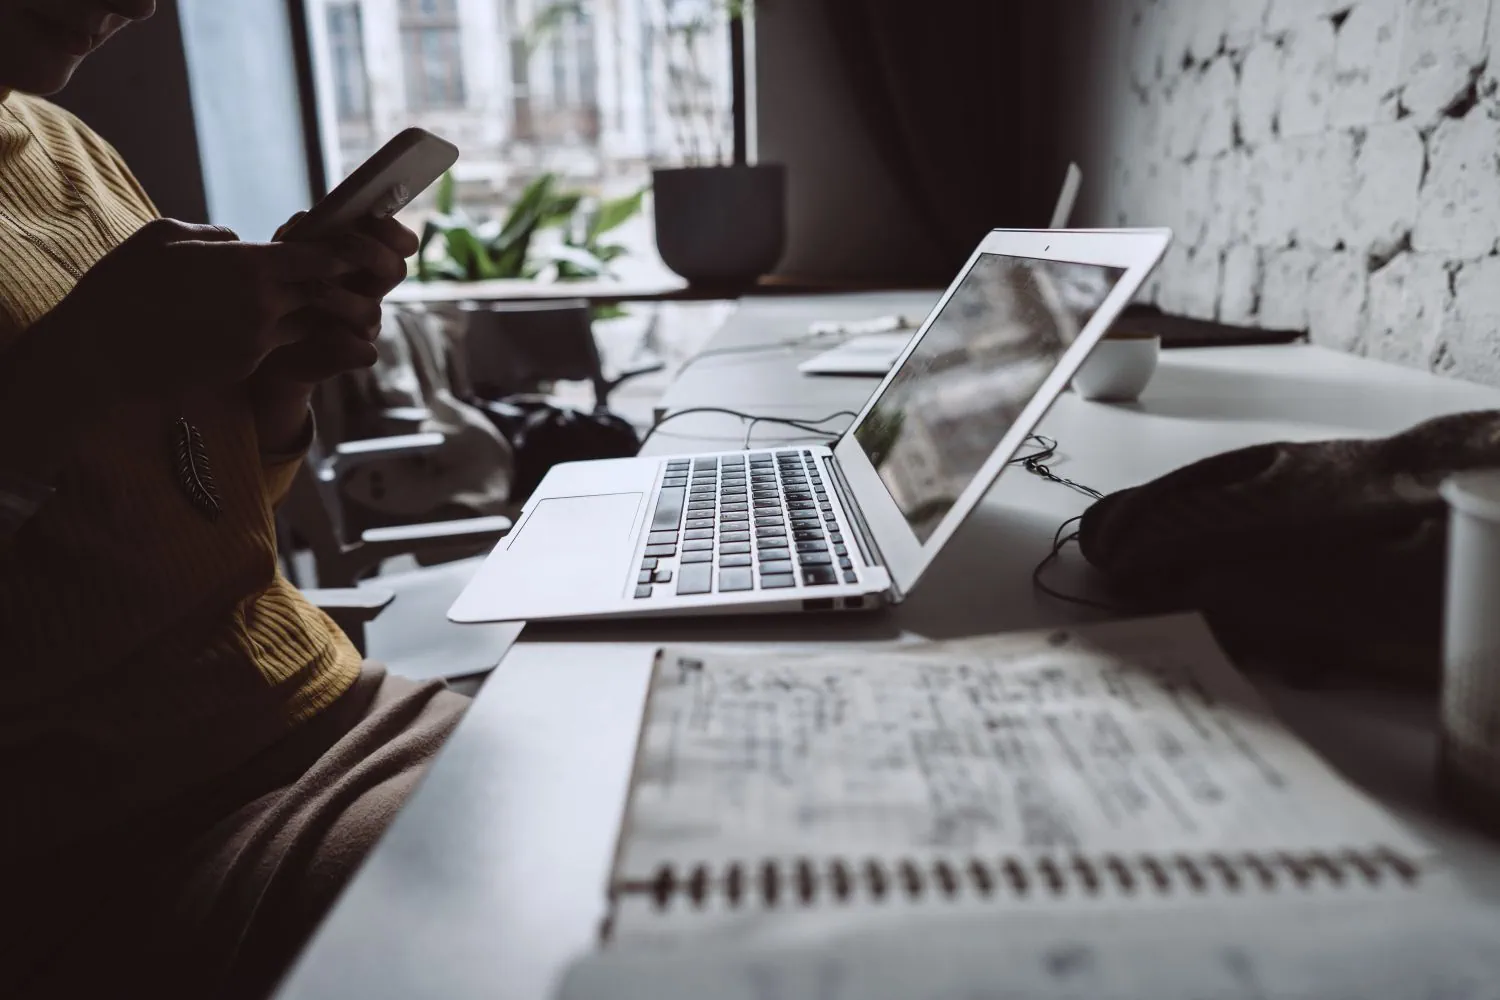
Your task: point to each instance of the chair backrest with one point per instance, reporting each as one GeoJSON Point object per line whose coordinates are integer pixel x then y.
{"type": "Point", "coordinates": [312, 510]}
{"type": "Point", "coordinates": [516, 347]}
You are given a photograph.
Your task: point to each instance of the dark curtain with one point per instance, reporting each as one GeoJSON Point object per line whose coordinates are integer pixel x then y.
{"type": "Point", "coordinates": [965, 100]}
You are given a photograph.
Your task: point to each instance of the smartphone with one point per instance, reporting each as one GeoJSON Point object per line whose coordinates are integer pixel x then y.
{"type": "Point", "coordinates": [380, 187]}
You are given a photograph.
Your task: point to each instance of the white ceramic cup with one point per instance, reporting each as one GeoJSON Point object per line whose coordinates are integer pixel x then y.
{"type": "Point", "coordinates": [1469, 769]}
{"type": "Point", "coordinates": [1119, 367]}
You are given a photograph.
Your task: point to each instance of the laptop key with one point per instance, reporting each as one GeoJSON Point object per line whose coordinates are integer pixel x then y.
{"type": "Point", "coordinates": [812, 546]}
{"type": "Point", "coordinates": [845, 563]}
{"type": "Point", "coordinates": [774, 555]}
{"type": "Point", "coordinates": [834, 535]}
{"type": "Point", "coordinates": [661, 550]}
{"type": "Point", "coordinates": [849, 577]}
{"type": "Point", "coordinates": [817, 576]}
{"type": "Point", "coordinates": [695, 578]}
{"type": "Point", "coordinates": [668, 512]}
{"type": "Point", "coordinates": [814, 558]}
{"type": "Point", "coordinates": [698, 533]}
{"type": "Point", "coordinates": [697, 544]}
{"type": "Point", "coordinates": [700, 522]}
{"type": "Point", "coordinates": [769, 521]}
{"type": "Point", "coordinates": [735, 579]}
{"type": "Point", "coordinates": [663, 576]}
{"type": "Point", "coordinates": [662, 537]}
{"type": "Point", "coordinates": [734, 548]}
{"type": "Point", "coordinates": [776, 568]}
{"type": "Point", "coordinates": [728, 561]}
{"type": "Point", "coordinates": [735, 536]}
{"type": "Point", "coordinates": [808, 524]}
{"type": "Point", "coordinates": [644, 590]}
{"type": "Point", "coordinates": [734, 508]}
{"type": "Point", "coordinates": [840, 550]}
{"type": "Point", "coordinates": [770, 531]}
{"type": "Point", "coordinates": [777, 581]}
{"type": "Point", "coordinates": [701, 556]}
{"type": "Point", "coordinates": [734, 516]}
{"type": "Point", "coordinates": [648, 564]}
{"type": "Point", "coordinates": [645, 576]}
{"type": "Point", "coordinates": [806, 535]}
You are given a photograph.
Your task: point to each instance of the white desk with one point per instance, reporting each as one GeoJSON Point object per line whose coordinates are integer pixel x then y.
{"type": "Point", "coordinates": [493, 875]}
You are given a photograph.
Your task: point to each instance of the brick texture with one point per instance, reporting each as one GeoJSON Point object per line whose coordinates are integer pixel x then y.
{"type": "Point", "coordinates": [1327, 165]}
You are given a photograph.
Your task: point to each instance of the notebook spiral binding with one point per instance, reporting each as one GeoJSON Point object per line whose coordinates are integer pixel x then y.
{"type": "Point", "coordinates": [804, 882]}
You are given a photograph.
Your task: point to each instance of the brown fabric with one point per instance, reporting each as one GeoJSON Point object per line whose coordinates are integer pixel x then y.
{"type": "Point", "coordinates": [216, 896]}
{"type": "Point", "coordinates": [1327, 556]}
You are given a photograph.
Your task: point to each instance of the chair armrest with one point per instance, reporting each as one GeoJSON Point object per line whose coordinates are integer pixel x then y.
{"type": "Point", "coordinates": [464, 530]}
{"type": "Point", "coordinates": [350, 454]}
{"type": "Point", "coordinates": [406, 414]}
{"type": "Point", "coordinates": [351, 609]}
{"type": "Point", "coordinates": [433, 538]}
{"type": "Point", "coordinates": [363, 603]}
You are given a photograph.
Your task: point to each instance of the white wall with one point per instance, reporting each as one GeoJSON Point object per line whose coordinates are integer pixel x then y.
{"type": "Point", "coordinates": [1329, 165]}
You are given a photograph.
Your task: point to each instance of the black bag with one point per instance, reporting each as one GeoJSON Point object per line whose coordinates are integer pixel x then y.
{"type": "Point", "coordinates": [544, 434]}
{"type": "Point", "coordinates": [1327, 556]}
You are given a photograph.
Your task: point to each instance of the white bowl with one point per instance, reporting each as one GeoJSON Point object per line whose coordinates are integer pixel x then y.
{"type": "Point", "coordinates": [1118, 369]}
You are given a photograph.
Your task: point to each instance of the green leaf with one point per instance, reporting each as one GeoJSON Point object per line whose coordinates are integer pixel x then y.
{"type": "Point", "coordinates": [613, 214]}
{"type": "Point", "coordinates": [430, 231]}
{"type": "Point", "coordinates": [464, 248]}
{"type": "Point", "coordinates": [575, 262]}
{"type": "Point", "coordinates": [612, 310]}
{"type": "Point", "coordinates": [445, 193]}
{"type": "Point", "coordinates": [559, 212]}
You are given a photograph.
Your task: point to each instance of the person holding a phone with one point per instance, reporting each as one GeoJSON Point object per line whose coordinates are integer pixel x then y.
{"type": "Point", "coordinates": [193, 758]}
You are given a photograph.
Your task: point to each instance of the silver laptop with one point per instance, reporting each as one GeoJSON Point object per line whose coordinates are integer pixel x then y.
{"type": "Point", "coordinates": [816, 528]}
{"type": "Point", "coordinates": [874, 354]}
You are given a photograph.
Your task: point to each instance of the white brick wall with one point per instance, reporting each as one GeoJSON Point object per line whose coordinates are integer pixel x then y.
{"type": "Point", "coordinates": [1328, 165]}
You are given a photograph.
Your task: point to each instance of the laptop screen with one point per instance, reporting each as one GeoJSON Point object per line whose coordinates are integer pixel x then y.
{"type": "Point", "coordinates": [982, 358]}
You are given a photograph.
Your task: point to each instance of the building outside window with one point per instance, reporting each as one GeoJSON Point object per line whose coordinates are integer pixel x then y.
{"type": "Point", "coordinates": [347, 53]}
{"type": "Point", "coordinates": [431, 54]}
{"type": "Point", "coordinates": [588, 90]}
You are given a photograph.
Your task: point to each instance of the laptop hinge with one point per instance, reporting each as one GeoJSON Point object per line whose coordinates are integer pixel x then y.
{"type": "Point", "coordinates": [863, 537]}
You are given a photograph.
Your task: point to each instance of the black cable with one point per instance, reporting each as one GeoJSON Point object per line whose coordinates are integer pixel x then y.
{"type": "Point", "coordinates": [819, 340]}
{"type": "Point", "coordinates": [1034, 463]}
{"type": "Point", "coordinates": [801, 424]}
{"type": "Point", "coordinates": [750, 430]}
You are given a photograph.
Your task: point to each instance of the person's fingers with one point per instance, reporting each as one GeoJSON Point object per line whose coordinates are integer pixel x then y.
{"type": "Point", "coordinates": [373, 257]}
{"type": "Point", "coordinates": [174, 231]}
{"type": "Point", "coordinates": [393, 234]}
{"type": "Point", "coordinates": [360, 313]}
{"type": "Point", "coordinates": [288, 224]}
{"type": "Point", "coordinates": [322, 354]}
{"type": "Point", "coordinates": [297, 262]}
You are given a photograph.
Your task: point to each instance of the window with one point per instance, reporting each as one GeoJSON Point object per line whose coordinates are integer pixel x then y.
{"type": "Point", "coordinates": [347, 51]}
{"type": "Point", "coordinates": [596, 92]}
{"type": "Point", "coordinates": [430, 54]}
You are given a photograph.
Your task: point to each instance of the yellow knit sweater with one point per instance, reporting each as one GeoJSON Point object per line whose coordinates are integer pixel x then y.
{"type": "Point", "coordinates": [144, 649]}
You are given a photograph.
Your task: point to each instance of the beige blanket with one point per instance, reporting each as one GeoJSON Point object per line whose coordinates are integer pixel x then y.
{"type": "Point", "coordinates": [215, 896]}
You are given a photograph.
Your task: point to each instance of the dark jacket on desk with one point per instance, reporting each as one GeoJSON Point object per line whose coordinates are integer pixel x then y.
{"type": "Point", "coordinates": [1326, 556]}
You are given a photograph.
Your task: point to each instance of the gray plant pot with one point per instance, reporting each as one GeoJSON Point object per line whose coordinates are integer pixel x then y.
{"type": "Point", "coordinates": [721, 225]}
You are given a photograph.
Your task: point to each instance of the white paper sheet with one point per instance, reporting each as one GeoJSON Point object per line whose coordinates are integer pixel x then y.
{"type": "Point", "coordinates": [1124, 739]}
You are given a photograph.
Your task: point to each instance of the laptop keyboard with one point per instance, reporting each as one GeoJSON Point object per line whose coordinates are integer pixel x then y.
{"type": "Point", "coordinates": [733, 523]}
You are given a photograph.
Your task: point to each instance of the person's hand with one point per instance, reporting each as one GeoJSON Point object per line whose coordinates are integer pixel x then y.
{"type": "Point", "coordinates": [177, 306]}
{"type": "Point", "coordinates": [330, 341]}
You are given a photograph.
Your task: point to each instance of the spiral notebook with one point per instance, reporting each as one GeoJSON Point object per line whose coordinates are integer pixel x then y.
{"type": "Point", "coordinates": [1118, 765]}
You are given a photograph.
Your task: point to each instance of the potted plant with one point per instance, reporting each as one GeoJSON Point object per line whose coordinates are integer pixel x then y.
{"type": "Point", "coordinates": [720, 220]}
{"type": "Point", "coordinates": [458, 247]}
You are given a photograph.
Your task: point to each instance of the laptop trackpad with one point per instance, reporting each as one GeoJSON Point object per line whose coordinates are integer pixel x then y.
{"type": "Point", "coordinates": [570, 544]}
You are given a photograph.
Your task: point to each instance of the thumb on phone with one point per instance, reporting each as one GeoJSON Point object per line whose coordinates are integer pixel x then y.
{"type": "Point", "coordinates": [288, 224]}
